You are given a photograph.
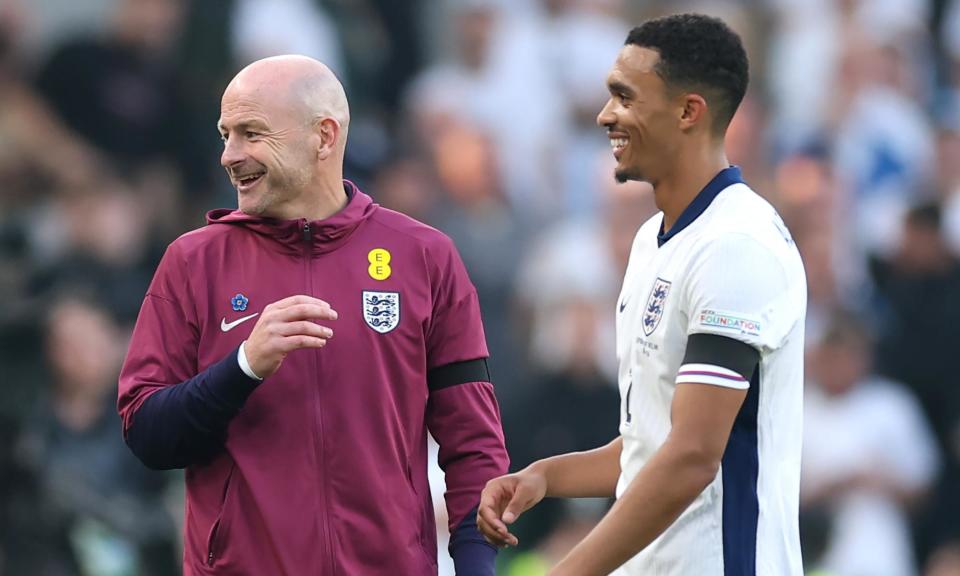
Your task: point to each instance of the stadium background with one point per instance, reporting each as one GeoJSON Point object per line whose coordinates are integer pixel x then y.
{"type": "Point", "coordinates": [477, 116]}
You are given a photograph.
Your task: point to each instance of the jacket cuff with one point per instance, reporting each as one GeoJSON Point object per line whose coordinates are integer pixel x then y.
{"type": "Point", "coordinates": [472, 554]}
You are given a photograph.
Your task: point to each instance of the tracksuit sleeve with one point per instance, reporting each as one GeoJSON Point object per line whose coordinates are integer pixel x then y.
{"type": "Point", "coordinates": [186, 423]}
{"type": "Point", "coordinates": [462, 413]}
{"type": "Point", "coordinates": [173, 414]}
{"type": "Point", "coordinates": [465, 421]}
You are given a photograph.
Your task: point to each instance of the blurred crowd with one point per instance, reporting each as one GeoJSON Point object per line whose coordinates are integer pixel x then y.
{"type": "Point", "coordinates": [478, 117]}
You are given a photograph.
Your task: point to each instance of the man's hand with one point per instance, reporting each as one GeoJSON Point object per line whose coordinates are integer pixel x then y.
{"type": "Point", "coordinates": [284, 326]}
{"type": "Point", "coordinates": [504, 499]}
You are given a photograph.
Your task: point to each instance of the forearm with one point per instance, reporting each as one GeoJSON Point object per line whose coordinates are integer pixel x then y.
{"type": "Point", "coordinates": [660, 492]}
{"type": "Point", "coordinates": [593, 473]}
{"type": "Point", "coordinates": [464, 419]}
{"type": "Point", "coordinates": [186, 423]}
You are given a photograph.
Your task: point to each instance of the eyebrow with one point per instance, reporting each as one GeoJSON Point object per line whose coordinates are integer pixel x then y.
{"type": "Point", "coordinates": [257, 124]}
{"type": "Point", "coordinates": [615, 86]}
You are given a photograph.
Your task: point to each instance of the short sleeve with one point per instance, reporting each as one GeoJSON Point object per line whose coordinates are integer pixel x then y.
{"type": "Point", "coordinates": [739, 288]}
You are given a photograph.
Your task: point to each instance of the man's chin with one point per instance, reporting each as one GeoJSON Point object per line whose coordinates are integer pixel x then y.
{"type": "Point", "coordinates": [625, 175]}
{"type": "Point", "coordinates": [252, 207]}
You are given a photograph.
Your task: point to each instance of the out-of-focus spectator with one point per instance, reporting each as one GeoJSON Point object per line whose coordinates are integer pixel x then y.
{"type": "Point", "coordinates": [296, 27]}
{"type": "Point", "coordinates": [868, 456]}
{"type": "Point", "coordinates": [499, 79]}
{"type": "Point", "coordinates": [472, 209]}
{"type": "Point", "coordinates": [918, 289]}
{"type": "Point", "coordinates": [108, 245]}
{"type": "Point", "coordinates": [122, 91]}
{"type": "Point", "coordinates": [583, 38]}
{"type": "Point", "coordinates": [93, 510]}
{"type": "Point", "coordinates": [888, 165]}
{"type": "Point", "coordinates": [407, 185]}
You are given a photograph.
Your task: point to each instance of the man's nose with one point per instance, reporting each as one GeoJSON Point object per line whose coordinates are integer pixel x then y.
{"type": "Point", "coordinates": [606, 116]}
{"type": "Point", "coordinates": [232, 153]}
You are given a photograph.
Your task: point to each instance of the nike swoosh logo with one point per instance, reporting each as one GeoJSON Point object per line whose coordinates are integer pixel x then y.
{"type": "Point", "coordinates": [623, 305]}
{"type": "Point", "coordinates": [228, 326]}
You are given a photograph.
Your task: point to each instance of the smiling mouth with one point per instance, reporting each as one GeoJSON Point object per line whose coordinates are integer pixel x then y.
{"type": "Point", "coordinates": [618, 145]}
{"type": "Point", "coordinates": [249, 181]}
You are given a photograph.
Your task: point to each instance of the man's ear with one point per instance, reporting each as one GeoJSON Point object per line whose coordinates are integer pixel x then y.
{"type": "Point", "coordinates": [329, 131]}
{"type": "Point", "coordinates": [694, 111]}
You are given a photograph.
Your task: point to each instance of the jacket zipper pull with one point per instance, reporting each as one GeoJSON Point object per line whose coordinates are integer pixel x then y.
{"type": "Point", "coordinates": [306, 232]}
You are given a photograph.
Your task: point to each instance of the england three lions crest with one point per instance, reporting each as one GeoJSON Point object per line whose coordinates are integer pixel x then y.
{"type": "Point", "coordinates": [654, 310]}
{"type": "Point", "coordinates": [381, 310]}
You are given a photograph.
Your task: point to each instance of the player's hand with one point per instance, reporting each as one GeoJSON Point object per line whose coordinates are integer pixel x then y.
{"type": "Point", "coordinates": [284, 326]}
{"type": "Point", "coordinates": [504, 499]}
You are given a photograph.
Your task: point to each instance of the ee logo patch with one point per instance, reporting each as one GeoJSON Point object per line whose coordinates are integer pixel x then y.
{"type": "Point", "coordinates": [379, 268]}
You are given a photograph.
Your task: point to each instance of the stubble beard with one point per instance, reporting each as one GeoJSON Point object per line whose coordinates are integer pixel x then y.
{"type": "Point", "coordinates": [278, 189]}
{"type": "Point", "coordinates": [624, 175]}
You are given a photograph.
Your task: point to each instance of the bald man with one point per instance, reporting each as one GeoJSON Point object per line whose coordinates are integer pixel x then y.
{"type": "Point", "coordinates": [293, 354]}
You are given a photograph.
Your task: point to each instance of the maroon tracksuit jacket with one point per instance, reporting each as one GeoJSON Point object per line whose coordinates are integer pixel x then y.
{"type": "Point", "coordinates": [321, 468]}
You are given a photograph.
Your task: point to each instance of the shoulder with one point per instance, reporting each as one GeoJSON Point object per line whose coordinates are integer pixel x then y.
{"type": "Point", "coordinates": [189, 244]}
{"type": "Point", "coordinates": [422, 235]}
{"type": "Point", "coordinates": [742, 224]}
{"type": "Point", "coordinates": [739, 208]}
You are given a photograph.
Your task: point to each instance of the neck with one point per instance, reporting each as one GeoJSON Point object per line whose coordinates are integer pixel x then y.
{"type": "Point", "coordinates": [691, 172]}
{"type": "Point", "coordinates": [326, 197]}
{"type": "Point", "coordinates": [329, 199]}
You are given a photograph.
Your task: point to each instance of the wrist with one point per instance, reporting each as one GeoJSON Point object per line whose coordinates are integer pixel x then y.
{"type": "Point", "coordinates": [245, 364]}
{"type": "Point", "coordinates": [540, 470]}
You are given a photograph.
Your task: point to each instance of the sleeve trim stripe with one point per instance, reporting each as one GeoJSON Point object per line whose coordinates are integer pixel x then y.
{"type": "Point", "coordinates": [711, 374]}
{"type": "Point", "coordinates": [458, 373]}
{"type": "Point", "coordinates": [711, 369]}
{"type": "Point", "coordinates": [715, 374]}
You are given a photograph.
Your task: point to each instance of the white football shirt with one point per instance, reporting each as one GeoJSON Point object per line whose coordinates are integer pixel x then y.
{"type": "Point", "coordinates": [727, 267]}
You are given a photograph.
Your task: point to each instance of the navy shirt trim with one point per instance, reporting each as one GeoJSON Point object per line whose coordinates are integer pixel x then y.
{"type": "Point", "coordinates": [740, 469]}
{"type": "Point", "coordinates": [726, 177]}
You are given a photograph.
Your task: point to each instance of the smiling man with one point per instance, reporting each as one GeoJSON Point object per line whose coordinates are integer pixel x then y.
{"type": "Point", "coordinates": [706, 469]}
{"type": "Point", "coordinates": [306, 452]}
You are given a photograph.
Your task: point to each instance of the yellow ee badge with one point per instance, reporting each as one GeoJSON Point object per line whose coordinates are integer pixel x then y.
{"type": "Point", "coordinates": [379, 268]}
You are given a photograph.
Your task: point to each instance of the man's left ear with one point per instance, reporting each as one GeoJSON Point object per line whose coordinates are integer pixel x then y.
{"type": "Point", "coordinates": [329, 131]}
{"type": "Point", "coordinates": [694, 111]}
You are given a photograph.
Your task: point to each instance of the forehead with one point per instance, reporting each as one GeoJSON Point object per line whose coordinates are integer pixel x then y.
{"type": "Point", "coordinates": [635, 66]}
{"type": "Point", "coordinates": [245, 103]}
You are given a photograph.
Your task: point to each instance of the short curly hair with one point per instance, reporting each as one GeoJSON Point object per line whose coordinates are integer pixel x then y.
{"type": "Point", "coordinates": [698, 52]}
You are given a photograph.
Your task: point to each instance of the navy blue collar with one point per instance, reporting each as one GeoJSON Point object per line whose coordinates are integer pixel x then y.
{"type": "Point", "coordinates": [726, 177]}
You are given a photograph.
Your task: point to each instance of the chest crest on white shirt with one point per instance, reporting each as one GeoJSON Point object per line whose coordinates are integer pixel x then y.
{"type": "Point", "coordinates": [653, 311]}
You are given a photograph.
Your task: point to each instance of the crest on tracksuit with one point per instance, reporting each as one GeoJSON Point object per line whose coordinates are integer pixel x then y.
{"type": "Point", "coordinates": [381, 310]}
{"type": "Point", "coordinates": [654, 310]}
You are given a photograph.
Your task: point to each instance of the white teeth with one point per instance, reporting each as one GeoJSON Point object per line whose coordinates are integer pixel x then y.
{"type": "Point", "coordinates": [618, 142]}
{"type": "Point", "coordinates": [250, 177]}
